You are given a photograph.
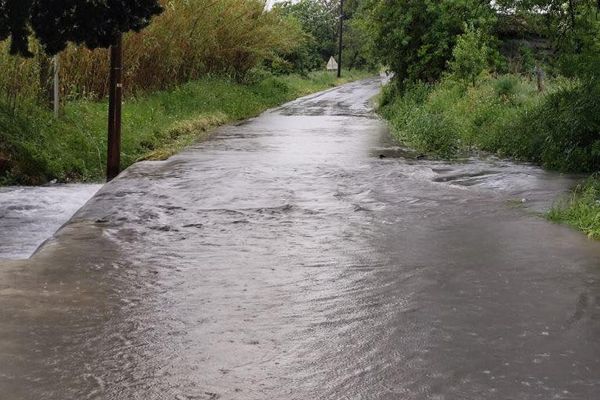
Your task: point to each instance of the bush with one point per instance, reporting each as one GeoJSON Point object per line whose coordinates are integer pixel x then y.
{"type": "Point", "coordinates": [528, 60]}
{"type": "Point", "coordinates": [559, 130]}
{"type": "Point", "coordinates": [415, 38]}
{"type": "Point", "coordinates": [433, 132]}
{"type": "Point", "coordinates": [469, 56]}
{"type": "Point", "coordinates": [507, 86]}
{"type": "Point", "coordinates": [565, 128]}
{"type": "Point", "coordinates": [581, 209]}
{"type": "Point", "coordinates": [418, 119]}
{"type": "Point", "coordinates": [317, 19]}
{"type": "Point", "coordinates": [192, 38]}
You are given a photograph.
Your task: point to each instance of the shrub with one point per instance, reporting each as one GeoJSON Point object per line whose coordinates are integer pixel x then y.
{"type": "Point", "coordinates": [469, 56]}
{"type": "Point", "coordinates": [528, 60]}
{"type": "Point", "coordinates": [419, 119]}
{"type": "Point", "coordinates": [434, 132]}
{"type": "Point", "coordinates": [581, 209]}
{"type": "Point", "coordinates": [559, 130]}
{"type": "Point", "coordinates": [415, 38]}
{"type": "Point", "coordinates": [192, 38]}
{"type": "Point", "coordinates": [506, 86]}
{"type": "Point", "coordinates": [565, 128]}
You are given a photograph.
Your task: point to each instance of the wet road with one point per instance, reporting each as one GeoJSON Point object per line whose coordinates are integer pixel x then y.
{"type": "Point", "coordinates": [285, 260]}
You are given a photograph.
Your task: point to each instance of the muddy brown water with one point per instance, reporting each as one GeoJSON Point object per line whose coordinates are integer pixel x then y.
{"type": "Point", "coordinates": [285, 259]}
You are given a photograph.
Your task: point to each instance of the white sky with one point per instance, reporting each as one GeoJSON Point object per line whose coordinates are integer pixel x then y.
{"type": "Point", "coordinates": [271, 2]}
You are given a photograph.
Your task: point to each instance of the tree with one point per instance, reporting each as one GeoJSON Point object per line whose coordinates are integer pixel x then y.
{"type": "Point", "coordinates": [357, 52]}
{"type": "Point", "coordinates": [318, 19]}
{"type": "Point", "coordinates": [357, 41]}
{"type": "Point", "coordinates": [470, 56]}
{"type": "Point", "coordinates": [94, 23]}
{"type": "Point", "coordinates": [415, 38]}
{"type": "Point", "coordinates": [571, 26]}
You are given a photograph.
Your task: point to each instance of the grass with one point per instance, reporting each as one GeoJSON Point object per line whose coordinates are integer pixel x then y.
{"type": "Point", "coordinates": [505, 115]}
{"type": "Point", "coordinates": [450, 118]}
{"type": "Point", "coordinates": [581, 209]}
{"type": "Point", "coordinates": [36, 148]}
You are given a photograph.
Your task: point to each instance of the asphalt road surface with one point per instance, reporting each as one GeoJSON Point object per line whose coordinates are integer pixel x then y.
{"type": "Point", "coordinates": [303, 255]}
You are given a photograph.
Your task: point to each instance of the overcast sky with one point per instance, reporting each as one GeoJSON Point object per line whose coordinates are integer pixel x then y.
{"type": "Point", "coordinates": [271, 2]}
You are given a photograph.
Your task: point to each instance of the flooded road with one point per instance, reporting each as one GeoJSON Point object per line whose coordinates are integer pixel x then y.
{"type": "Point", "coordinates": [302, 255]}
{"type": "Point", "coordinates": [31, 214]}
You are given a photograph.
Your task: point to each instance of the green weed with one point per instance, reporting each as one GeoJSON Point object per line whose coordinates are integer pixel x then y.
{"type": "Point", "coordinates": [506, 116]}
{"type": "Point", "coordinates": [581, 209]}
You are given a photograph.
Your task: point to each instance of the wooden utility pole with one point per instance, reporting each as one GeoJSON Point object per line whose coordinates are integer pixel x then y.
{"type": "Point", "coordinates": [115, 96]}
{"type": "Point", "coordinates": [341, 34]}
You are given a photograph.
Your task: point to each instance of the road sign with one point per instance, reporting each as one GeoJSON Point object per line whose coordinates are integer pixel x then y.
{"type": "Point", "coordinates": [332, 65]}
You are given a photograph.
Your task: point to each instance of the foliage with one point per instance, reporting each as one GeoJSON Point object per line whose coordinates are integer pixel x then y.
{"type": "Point", "coordinates": [35, 147]}
{"type": "Point", "coordinates": [191, 38]}
{"type": "Point", "coordinates": [57, 22]}
{"type": "Point", "coordinates": [566, 125]}
{"type": "Point", "coordinates": [465, 117]}
{"type": "Point", "coordinates": [319, 20]}
{"type": "Point", "coordinates": [357, 51]}
{"type": "Point", "coordinates": [581, 209]}
{"type": "Point", "coordinates": [415, 39]}
{"type": "Point", "coordinates": [417, 120]}
{"type": "Point", "coordinates": [300, 58]}
{"type": "Point", "coordinates": [469, 56]}
{"type": "Point", "coordinates": [581, 57]}
{"type": "Point", "coordinates": [571, 26]}
{"type": "Point", "coordinates": [507, 116]}
{"type": "Point", "coordinates": [528, 61]}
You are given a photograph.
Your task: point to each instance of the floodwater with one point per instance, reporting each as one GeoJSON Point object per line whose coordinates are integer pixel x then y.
{"type": "Point", "coordinates": [31, 214]}
{"type": "Point", "coordinates": [301, 255]}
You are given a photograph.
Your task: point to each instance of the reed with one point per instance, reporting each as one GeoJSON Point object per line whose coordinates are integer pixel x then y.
{"type": "Point", "coordinates": [191, 39]}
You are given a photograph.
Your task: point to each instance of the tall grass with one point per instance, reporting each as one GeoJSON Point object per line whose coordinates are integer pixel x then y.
{"type": "Point", "coordinates": [504, 115]}
{"type": "Point", "coordinates": [190, 39]}
{"type": "Point", "coordinates": [19, 79]}
{"type": "Point", "coordinates": [581, 209]}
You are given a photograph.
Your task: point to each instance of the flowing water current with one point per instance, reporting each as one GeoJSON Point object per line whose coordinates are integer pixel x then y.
{"type": "Point", "coordinates": [30, 215]}
{"type": "Point", "coordinates": [303, 255]}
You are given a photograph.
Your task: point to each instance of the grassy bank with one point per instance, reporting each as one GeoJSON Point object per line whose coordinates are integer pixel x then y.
{"type": "Point", "coordinates": [36, 148]}
{"type": "Point", "coordinates": [582, 209]}
{"type": "Point", "coordinates": [557, 129]}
